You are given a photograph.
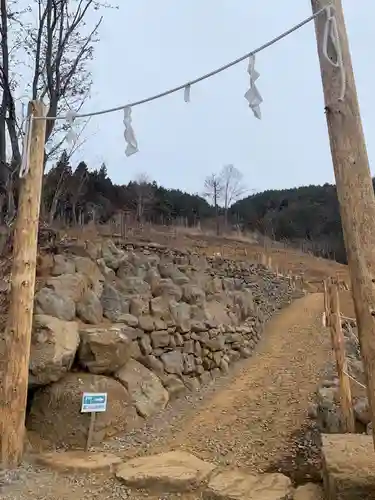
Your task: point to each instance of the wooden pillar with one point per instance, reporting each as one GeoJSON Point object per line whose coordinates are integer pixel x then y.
{"type": "Point", "coordinates": [338, 344]}
{"type": "Point", "coordinates": [13, 387]}
{"type": "Point", "coordinates": [354, 186]}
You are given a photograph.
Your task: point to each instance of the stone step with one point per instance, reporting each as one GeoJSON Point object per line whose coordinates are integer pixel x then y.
{"type": "Point", "coordinates": [349, 466]}
{"type": "Point", "coordinates": [178, 471]}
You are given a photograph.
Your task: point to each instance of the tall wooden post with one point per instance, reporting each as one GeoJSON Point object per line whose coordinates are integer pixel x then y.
{"type": "Point", "coordinates": [354, 186]}
{"type": "Point", "coordinates": [338, 344]}
{"type": "Point", "coordinates": [13, 386]}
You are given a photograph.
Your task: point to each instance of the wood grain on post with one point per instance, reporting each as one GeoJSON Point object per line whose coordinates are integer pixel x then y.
{"type": "Point", "coordinates": [13, 387]}
{"type": "Point", "coordinates": [338, 344]}
{"type": "Point", "coordinates": [354, 186]}
{"type": "Point", "coordinates": [326, 304]}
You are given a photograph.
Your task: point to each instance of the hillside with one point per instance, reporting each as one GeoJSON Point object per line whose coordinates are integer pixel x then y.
{"type": "Point", "coordinates": [305, 217]}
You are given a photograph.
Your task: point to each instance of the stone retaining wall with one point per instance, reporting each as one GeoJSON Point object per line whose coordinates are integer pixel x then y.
{"type": "Point", "coordinates": [143, 323]}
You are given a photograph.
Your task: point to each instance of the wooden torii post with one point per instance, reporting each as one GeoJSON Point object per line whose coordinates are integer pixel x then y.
{"type": "Point", "coordinates": [353, 180]}
{"type": "Point", "coordinates": [14, 382]}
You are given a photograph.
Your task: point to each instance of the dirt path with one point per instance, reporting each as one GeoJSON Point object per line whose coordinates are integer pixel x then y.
{"type": "Point", "coordinates": [257, 418]}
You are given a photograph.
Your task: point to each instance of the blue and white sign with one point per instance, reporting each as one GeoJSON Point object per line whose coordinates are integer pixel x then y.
{"type": "Point", "coordinates": [94, 402]}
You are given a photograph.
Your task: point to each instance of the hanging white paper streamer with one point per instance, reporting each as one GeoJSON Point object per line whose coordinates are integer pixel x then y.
{"type": "Point", "coordinates": [71, 137]}
{"type": "Point", "coordinates": [26, 145]}
{"type": "Point", "coordinates": [187, 93]}
{"type": "Point", "coordinates": [324, 320]}
{"type": "Point", "coordinates": [131, 141]}
{"type": "Point", "coordinates": [331, 34]}
{"type": "Point", "coordinates": [252, 95]}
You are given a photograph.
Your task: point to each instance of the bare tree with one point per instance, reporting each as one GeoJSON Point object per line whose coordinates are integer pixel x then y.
{"type": "Point", "coordinates": [144, 195]}
{"type": "Point", "coordinates": [77, 189]}
{"type": "Point", "coordinates": [233, 187]}
{"type": "Point", "coordinates": [213, 189]}
{"type": "Point", "coordinates": [57, 47]}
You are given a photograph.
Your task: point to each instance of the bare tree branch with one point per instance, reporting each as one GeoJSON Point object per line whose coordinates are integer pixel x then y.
{"type": "Point", "coordinates": [213, 190]}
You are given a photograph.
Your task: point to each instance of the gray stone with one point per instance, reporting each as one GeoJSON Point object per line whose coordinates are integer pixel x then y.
{"type": "Point", "coordinates": [53, 348]}
{"type": "Point", "coordinates": [90, 269]}
{"type": "Point", "coordinates": [193, 295]}
{"type": "Point", "coordinates": [145, 345]}
{"type": "Point", "coordinates": [129, 320]}
{"type": "Point", "coordinates": [146, 323]}
{"type": "Point", "coordinates": [107, 272]}
{"type": "Point", "coordinates": [48, 302]}
{"type": "Point", "coordinates": [139, 306]}
{"type": "Point", "coordinates": [174, 385]}
{"type": "Point", "coordinates": [173, 362]}
{"type": "Point", "coordinates": [114, 303]}
{"type": "Point", "coordinates": [152, 363]}
{"type": "Point", "coordinates": [166, 288]}
{"type": "Point", "coordinates": [159, 307]}
{"type": "Point", "coordinates": [160, 339]}
{"type": "Point", "coordinates": [237, 484]}
{"type": "Point", "coordinates": [167, 472]}
{"type": "Point", "coordinates": [103, 350]}
{"type": "Point", "coordinates": [135, 286]}
{"type": "Point", "coordinates": [181, 314]}
{"type": "Point", "coordinates": [63, 265]}
{"type": "Point", "coordinates": [144, 387]}
{"type": "Point", "coordinates": [89, 308]}
{"type": "Point", "coordinates": [72, 286]}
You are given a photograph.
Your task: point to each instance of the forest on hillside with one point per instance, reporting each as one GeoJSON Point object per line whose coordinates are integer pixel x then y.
{"type": "Point", "coordinates": [306, 217]}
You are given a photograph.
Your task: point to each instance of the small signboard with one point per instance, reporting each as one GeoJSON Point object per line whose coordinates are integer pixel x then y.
{"type": "Point", "coordinates": [93, 402]}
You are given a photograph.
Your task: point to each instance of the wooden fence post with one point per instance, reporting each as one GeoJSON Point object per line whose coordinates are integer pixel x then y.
{"type": "Point", "coordinates": [14, 385]}
{"type": "Point", "coordinates": [338, 344]}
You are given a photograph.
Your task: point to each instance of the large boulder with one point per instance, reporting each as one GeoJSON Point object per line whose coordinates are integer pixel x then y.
{"type": "Point", "coordinates": [114, 303]}
{"type": "Point", "coordinates": [53, 348]}
{"type": "Point", "coordinates": [48, 302]}
{"type": "Point", "coordinates": [104, 349]}
{"type": "Point", "coordinates": [90, 309]}
{"type": "Point", "coordinates": [144, 387]}
{"type": "Point", "coordinates": [55, 413]}
{"type": "Point", "coordinates": [73, 286]}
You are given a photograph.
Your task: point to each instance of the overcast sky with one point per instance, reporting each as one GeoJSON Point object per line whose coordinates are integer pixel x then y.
{"type": "Point", "coordinates": [148, 46]}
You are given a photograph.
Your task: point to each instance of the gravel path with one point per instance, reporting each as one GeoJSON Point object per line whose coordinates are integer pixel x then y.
{"type": "Point", "coordinates": [254, 417]}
